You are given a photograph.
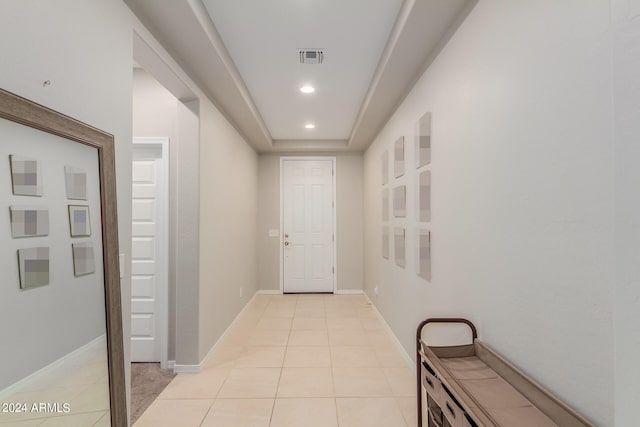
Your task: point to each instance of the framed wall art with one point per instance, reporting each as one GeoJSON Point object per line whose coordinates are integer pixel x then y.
{"type": "Point", "coordinates": [423, 140]}
{"type": "Point", "coordinates": [424, 196]}
{"type": "Point", "coordinates": [34, 267]}
{"type": "Point", "coordinates": [385, 242]}
{"type": "Point", "coordinates": [384, 161]}
{"type": "Point", "coordinates": [26, 176]}
{"type": "Point", "coordinates": [399, 247]}
{"type": "Point", "coordinates": [83, 258]}
{"type": "Point", "coordinates": [398, 157]}
{"type": "Point", "coordinates": [29, 221]}
{"type": "Point", "coordinates": [385, 204]}
{"type": "Point", "coordinates": [400, 201]}
{"type": "Point", "coordinates": [79, 221]}
{"type": "Point", "coordinates": [424, 254]}
{"type": "Point", "coordinates": [39, 144]}
{"type": "Point", "coordinates": [75, 183]}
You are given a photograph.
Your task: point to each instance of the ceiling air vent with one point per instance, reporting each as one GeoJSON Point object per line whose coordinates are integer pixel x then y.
{"type": "Point", "coordinates": [311, 56]}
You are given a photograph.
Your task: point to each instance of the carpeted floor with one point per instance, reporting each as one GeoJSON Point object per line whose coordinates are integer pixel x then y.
{"type": "Point", "coordinates": [147, 381]}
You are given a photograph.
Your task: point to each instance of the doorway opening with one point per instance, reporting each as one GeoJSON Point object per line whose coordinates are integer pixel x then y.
{"type": "Point", "coordinates": [164, 206]}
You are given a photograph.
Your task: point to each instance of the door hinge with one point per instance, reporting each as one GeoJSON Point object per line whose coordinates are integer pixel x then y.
{"type": "Point", "coordinates": [333, 237]}
{"type": "Point", "coordinates": [334, 270]}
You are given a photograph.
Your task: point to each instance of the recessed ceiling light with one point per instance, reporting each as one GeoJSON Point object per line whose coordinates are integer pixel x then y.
{"type": "Point", "coordinates": [307, 89]}
{"type": "Point", "coordinates": [310, 126]}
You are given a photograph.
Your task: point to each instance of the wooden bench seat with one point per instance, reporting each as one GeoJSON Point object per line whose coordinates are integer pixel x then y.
{"type": "Point", "coordinates": [506, 405]}
{"type": "Point", "coordinates": [472, 385]}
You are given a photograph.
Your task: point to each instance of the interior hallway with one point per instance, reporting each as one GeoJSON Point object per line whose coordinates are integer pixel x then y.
{"type": "Point", "coordinates": [534, 203]}
{"type": "Point", "coordinates": [296, 360]}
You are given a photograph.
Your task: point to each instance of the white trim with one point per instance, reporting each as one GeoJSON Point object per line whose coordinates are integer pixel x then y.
{"type": "Point", "coordinates": [334, 178]}
{"type": "Point", "coordinates": [171, 364]}
{"type": "Point", "coordinates": [269, 292]}
{"type": "Point", "coordinates": [349, 292]}
{"type": "Point", "coordinates": [410, 362]}
{"type": "Point", "coordinates": [15, 387]}
{"type": "Point", "coordinates": [195, 369]}
{"type": "Point", "coordinates": [280, 241]}
{"type": "Point", "coordinates": [162, 304]}
{"type": "Point", "coordinates": [187, 369]}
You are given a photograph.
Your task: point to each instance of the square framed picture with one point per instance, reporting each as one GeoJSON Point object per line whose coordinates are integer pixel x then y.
{"type": "Point", "coordinates": [398, 157]}
{"type": "Point", "coordinates": [79, 221]}
{"type": "Point", "coordinates": [399, 247]}
{"type": "Point", "coordinates": [83, 259]}
{"type": "Point", "coordinates": [423, 140]}
{"type": "Point", "coordinates": [424, 196]}
{"type": "Point", "coordinates": [424, 254]}
{"type": "Point", "coordinates": [400, 201]}
{"type": "Point", "coordinates": [76, 183]}
{"type": "Point", "coordinates": [384, 167]}
{"type": "Point", "coordinates": [33, 264]}
{"type": "Point", "coordinates": [385, 204]}
{"type": "Point", "coordinates": [385, 242]}
{"type": "Point", "coordinates": [26, 176]}
{"type": "Point", "coordinates": [29, 221]}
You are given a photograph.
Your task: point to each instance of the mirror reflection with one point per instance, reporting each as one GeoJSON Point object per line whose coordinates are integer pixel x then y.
{"type": "Point", "coordinates": [53, 362]}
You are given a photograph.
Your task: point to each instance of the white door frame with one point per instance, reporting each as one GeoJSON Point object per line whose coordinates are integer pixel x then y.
{"type": "Point", "coordinates": [162, 285]}
{"type": "Point", "coordinates": [335, 209]}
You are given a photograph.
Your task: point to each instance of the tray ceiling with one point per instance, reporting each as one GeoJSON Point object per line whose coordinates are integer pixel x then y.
{"type": "Point", "coordinates": [244, 56]}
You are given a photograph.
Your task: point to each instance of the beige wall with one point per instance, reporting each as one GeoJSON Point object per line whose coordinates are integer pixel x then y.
{"type": "Point", "coordinates": [268, 218]}
{"type": "Point", "coordinates": [228, 209]}
{"type": "Point", "coordinates": [349, 228]}
{"type": "Point", "coordinates": [350, 224]}
{"type": "Point", "coordinates": [215, 207]}
{"type": "Point", "coordinates": [627, 131]}
{"type": "Point", "coordinates": [522, 195]}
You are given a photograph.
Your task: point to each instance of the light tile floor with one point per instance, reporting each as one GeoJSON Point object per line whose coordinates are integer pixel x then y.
{"type": "Point", "coordinates": [297, 361]}
{"type": "Point", "coordinates": [81, 380]}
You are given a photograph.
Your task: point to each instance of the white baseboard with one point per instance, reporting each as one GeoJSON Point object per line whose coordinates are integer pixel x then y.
{"type": "Point", "coordinates": [269, 292]}
{"type": "Point", "coordinates": [337, 292]}
{"type": "Point", "coordinates": [196, 369]}
{"type": "Point", "coordinates": [171, 364]}
{"type": "Point", "coordinates": [410, 362]}
{"type": "Point", "coordinates": [188, 369]}
{"type": "Point", "coordinates": [348, 292]}
{"type": "Point", "coordinates": [99, 341]}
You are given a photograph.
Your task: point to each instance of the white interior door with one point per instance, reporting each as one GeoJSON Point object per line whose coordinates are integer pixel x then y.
{"type": "Point", "coordinates": [149, 252]}
{"type": "Point", "coordinates": [308, 228]}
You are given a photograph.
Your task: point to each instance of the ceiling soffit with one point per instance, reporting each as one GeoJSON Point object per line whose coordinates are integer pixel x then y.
{"type": "Point", "coordinates": [420, 31]}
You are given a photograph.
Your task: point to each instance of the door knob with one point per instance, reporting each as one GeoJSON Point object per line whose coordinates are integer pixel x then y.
{"type": "Point", "coordinates": [286, 243]}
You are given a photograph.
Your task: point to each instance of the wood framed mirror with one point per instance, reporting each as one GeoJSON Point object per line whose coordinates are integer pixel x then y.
{"type": "Point", "coordinates": [60, 295]}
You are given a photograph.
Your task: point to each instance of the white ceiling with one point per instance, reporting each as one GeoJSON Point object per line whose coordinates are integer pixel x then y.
{"type": "Point", "coordinates": [263, 38]}
{"type": "Point", "coordinates": [243, 55]}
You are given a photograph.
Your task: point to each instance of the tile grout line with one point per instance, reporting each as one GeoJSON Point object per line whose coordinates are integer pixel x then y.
{"type": "Point", "coordinates": [207, 413]}
{"type": "Point", "coordinates": [275, 397]}
{"type": "Point", "coordinates": [298, 304]}
{"type": "Point", "coordinates": [252, 302]}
